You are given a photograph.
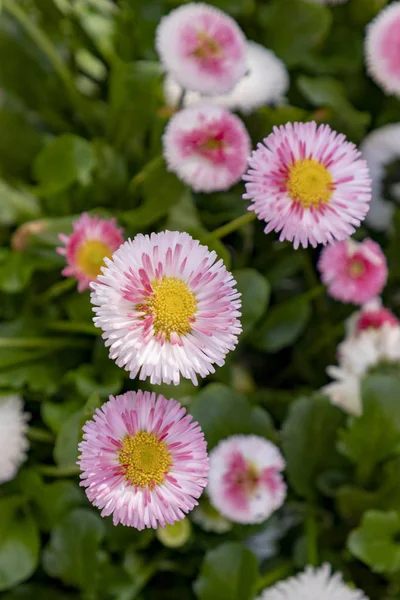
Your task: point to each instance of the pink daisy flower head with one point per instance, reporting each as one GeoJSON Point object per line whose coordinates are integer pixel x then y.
{"type": "Point", "coordinates": [167, 307]}
{"type": "Point", "coordinates": [354, 272]}
{"type": "Point", "coordinates": [202, 47]}
{"type": "Point", "coordinates": [93, 239]}
{"type": "Point", "coordinates": [372, 316]}
{"type": "Point", "coordinates": [143, 460]}
{"type": "Point", "coordinates": [382, 49]}
{"type": "Point", "coordinates": [207, 147]}
{"type": "Point", "coordinates": [245, 481]}
{"type": "Point", "coordinates": [308, 183]}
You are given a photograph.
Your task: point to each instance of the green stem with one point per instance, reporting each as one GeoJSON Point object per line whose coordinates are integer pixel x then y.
{"type": "Point", "coordinates": [43, 342]}
{"type": "Point", "coordinates": [311, 535]}
{"type": "Point", "coordinates": [280, 572]}
{"type": "Point", "coordinates": [73, 327]}
{"type": "Point", "coordinates": [54, 471]}
{"type": "Point", "coordinates": [35, 434]}
{"type": "Point", "coordinates": [232, 226]}
{"type": "Point", "coordinates": [45, 45]}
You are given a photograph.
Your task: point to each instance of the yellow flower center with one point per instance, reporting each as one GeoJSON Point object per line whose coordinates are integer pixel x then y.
{"type": "Point", "coordinates": [309, 182]}
{"type": "Point", "coordinates": [145, 459]}
{"type": "Point", "coordinates": [173, 306]}
{"type": "Point", "coordinates": [90, 257]}
{"type": "Point", "coordinates": [356, 268]}
{"type": "Point", "coordinates": [207, 46]}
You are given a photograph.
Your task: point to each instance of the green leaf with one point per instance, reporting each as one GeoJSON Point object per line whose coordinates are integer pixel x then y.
{"type": "Point", "coordinates": [375, 542]}
{"type": "Point", "coordinates": [19, 143]}
{"type": "Point", "coordinates": [44, 592]}
{"type": "Point", "coordinates": [222, 412]}
{"type": "Point", "coordinates": [16, 206]}
{"type": "Point", "coordinates": [229, 571]}
{"type": "Point", "coordinates": [63, 161]}
{"type": "Point", "coordinates": [73, 553]}
{"type": "Point", "coordinates": [15, 272]}
{"type": "Point", "coordinates": [284, 324]}
{"type": "Point", "coordinates": [308, 442]}
{"type": "Point", "coordinates": [292, 28]}
{"type": "Point", "coordinates": [133, 102]}
{"type": "Point", "coordinates": [328, 92]}
{"type": "Point", "coordinates": [161, 191]}
{"type": "Point", "coordinates": [55, 414]}
{"type": "Point", "coordinates": [52, 501]}
{"type": "Point", "coordinates": [375, 435]}
{"type": "Point", "coordinates": [66, 446]}
{"type": "Point", "coordinates": [353, 501]}
{"type": "Point", "coordinates": [255, 292]}
{"type": "Point", "coordinates": [19, 543]}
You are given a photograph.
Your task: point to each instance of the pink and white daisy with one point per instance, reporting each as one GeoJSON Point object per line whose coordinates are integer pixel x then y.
{"type": "Point", "coordinates": [308, 183]}
{"type": "Point", "coordinates": [167, 307]}
{"type": "Point", "coordinates": [382, 49]}
{"type": "Point", "coordinates": [207, 147]}
{"type": "Point", "coordinates": [354, 272]}
{"type": "Point", "coordinates": [143, 460]}
{"type": "Point", "coordinates": [245, 481]}
{"type": "Point", "coordinates": [373, 340]}
{"type": "Point", "coordinates": [266, 82]}
{"type": "Point", "coordinates": [313, 584]}
{"type": "Point", "coordinates": [202, 47]}
{"type": "Point", "coordinates": [371, 316]}
{"type": "Point", "coordinates": [93, 239]}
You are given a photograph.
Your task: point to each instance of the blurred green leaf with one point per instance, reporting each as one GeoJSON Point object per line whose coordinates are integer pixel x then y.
{"type": "Point", "coordinates": [309, 442]}
{"type": "Point", "coordinates": [292, 28]}
{"type": "Point", "coordinates": [15, 272]}
{"type": "Point", "coordinates": [328, 92]}
{"type": "Point", "coordinates": [73, 553]}
{"type": "Point", "coordinates": [255, 292]}
{"type": "Point", "coordinates": [133, 102]}
{"type": "Point", "coordinates": [161, 191]}
{"type": "Point", "coordinates": [284, 324]}
{"type": "Point", "coordinates": [222, 412]}
{"type": "Point", "coordinates": [63, 161]}
{"type": "Point", "coordinates": [16, 205]}
{"type": "Point", "coordinates": [66, 446]}
{"type": "Point", "coordinates": [376, 541]}
{"type": "Point", "coordinates": [375, 435]}
{"type": "Point", "coordinates": [230, 572]}
{"type": "Point", "coordinates": [353, 501]}
{"type": "Point", "coordinates": [19, 543]}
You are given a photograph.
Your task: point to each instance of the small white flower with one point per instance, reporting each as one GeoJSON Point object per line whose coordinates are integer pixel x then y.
{"type": "Point", "coordinates": [357, 354]}
{"type": "Point", "coordinates": [345, 391]}
{"type": "Point", "coordinates": [313, 584]}
{"type": "Point", "coordinates": [266, 82]}
{"type": "Point", "coordinates": [380, 148]}
{"type": "Point", "coordinates": [13, 441]}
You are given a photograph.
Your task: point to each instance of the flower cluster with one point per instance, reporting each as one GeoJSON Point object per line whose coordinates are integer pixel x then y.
{"type": "Point", "coordinates": [373, 339]}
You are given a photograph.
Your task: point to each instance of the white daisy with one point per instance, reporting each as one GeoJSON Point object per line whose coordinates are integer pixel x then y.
{"type": "Point", "coordinates": [380, 148]}
{"type": "Point", "coordinates": [313, 584]}
{"type": "Point", "coordinates": [266, 82]}
{"type": "Point", "coordinates": [13, 440]}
